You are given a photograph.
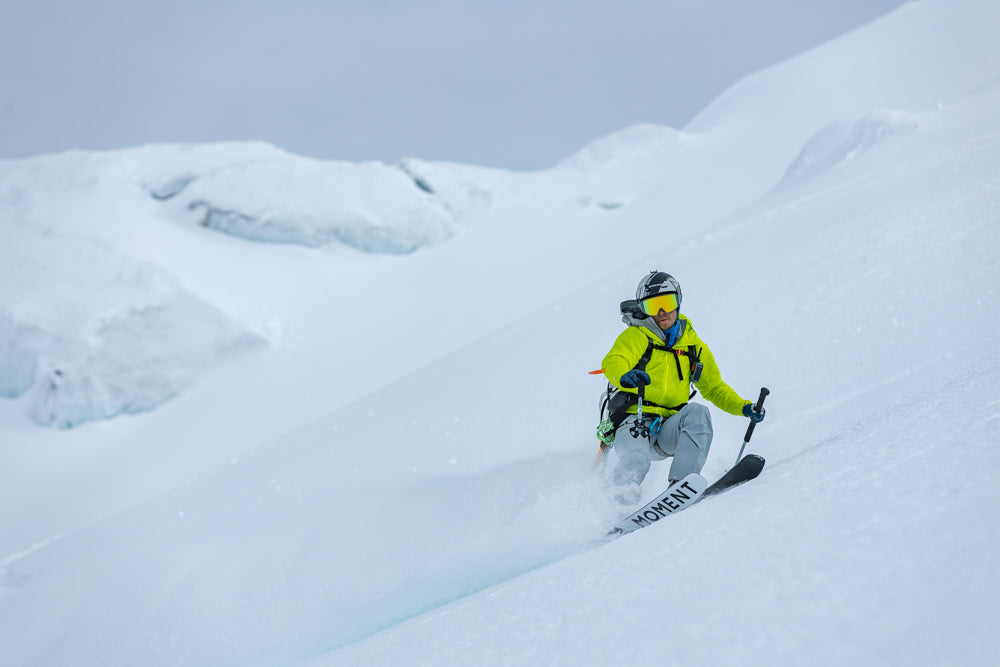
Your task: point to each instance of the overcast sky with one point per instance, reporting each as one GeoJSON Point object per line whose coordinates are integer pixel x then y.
{"type": "Point", "coordinates": [513, 83]}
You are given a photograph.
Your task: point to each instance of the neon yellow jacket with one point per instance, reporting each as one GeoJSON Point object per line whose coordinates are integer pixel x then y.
{"type": "Point", "coordinates": [670, 381]}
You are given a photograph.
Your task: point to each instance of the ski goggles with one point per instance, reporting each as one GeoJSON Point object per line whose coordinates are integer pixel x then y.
{"type": "Point", "coordinates": [665, 302]}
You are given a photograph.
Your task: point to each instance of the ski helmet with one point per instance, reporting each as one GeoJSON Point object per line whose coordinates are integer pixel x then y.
{"type": "Point", "coordinates": [657, 283]}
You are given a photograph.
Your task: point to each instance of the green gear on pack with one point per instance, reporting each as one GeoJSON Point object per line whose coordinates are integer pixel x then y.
{"type": "Point", "coordinates": [606, 432]}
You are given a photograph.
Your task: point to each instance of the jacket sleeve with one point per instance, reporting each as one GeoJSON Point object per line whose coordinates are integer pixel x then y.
{"type": "Point", "coordinates": [714, 389]}
{"type": "Point", "coordinates": [624, 355]}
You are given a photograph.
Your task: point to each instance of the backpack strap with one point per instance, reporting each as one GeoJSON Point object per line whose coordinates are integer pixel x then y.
{"type": "Point", "coordinates": [646, 356]}
{"type": "Point", "coordinates": [692, 353]}
{"type": "Point", "coordinates": [694, 356]}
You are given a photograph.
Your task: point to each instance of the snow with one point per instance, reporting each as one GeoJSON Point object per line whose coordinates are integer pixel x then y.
{"type": "Point", "coordinates": [350, 421]}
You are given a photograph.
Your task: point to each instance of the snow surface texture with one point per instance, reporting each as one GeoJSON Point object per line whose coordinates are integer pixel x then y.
{"type": "Point", "coordinates": [383, 459]}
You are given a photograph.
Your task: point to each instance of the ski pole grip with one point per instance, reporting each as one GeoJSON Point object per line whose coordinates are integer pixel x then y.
{"type": "Point", "coordinates": [764, 391]}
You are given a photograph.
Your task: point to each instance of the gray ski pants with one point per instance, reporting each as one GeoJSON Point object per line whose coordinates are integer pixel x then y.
{"type": "Point", "coordinates": [686, 436]}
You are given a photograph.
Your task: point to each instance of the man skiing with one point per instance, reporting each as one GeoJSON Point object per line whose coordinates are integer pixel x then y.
{"type": "Point", "coordinates": [658, 358]}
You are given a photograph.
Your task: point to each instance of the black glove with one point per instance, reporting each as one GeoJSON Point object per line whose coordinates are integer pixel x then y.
{"type": "Point", "coordinates": [635, 378]}
{"type": "Point", "coordinates": [748, 411]}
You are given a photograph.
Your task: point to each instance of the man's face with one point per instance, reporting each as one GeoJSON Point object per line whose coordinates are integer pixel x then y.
{"type": "Point", "coordinates": [665, 320]}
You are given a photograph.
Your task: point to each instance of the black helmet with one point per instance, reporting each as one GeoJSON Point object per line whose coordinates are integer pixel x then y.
{"type": "Point", "coordinates": [656, 283]}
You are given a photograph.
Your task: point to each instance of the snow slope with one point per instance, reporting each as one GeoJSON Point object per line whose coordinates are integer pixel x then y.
{"type": "Point", "coordinates": [383, 459]}
{"type": "Point", "coordinates": [871, 537]}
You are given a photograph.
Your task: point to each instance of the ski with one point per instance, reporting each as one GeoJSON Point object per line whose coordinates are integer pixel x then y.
{"type": "Point", "coordinates": [677, 497]}
{"type": "Point", "coordinates": [748, 468]}
{"type": "Point", "coordinates": [687, 492]}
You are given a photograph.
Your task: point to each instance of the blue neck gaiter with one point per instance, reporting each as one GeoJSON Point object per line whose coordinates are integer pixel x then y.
{"type": "Point", "coordinates": [673, 333]}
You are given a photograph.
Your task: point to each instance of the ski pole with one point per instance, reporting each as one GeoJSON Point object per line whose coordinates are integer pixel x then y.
{"type": "Point", "coordinates": [639, 427]}
{"type": "Point", "coordinates": [764, 391]}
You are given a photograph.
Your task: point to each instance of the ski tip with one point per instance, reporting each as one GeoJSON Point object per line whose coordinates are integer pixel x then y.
{"type": "Point", "coordinates": [752, 465]}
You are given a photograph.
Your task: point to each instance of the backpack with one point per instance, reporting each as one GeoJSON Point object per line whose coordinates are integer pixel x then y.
{"type": "Point", "coordinates": [615, 403]}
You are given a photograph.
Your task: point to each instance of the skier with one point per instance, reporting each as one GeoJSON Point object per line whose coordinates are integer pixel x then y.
{"type": "Point", "coordinates": [661, 353]}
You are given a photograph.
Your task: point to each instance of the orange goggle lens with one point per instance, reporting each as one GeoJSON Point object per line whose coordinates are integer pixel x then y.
{"type": "Point", "coordinates": [665, 302]}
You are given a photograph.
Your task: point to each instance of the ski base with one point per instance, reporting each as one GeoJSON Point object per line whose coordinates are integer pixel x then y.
{"type": "Point", "coordinates": [679, 496]}
{"type": "Point", "coordinates": [748, 468]}
{"type": "Point", "coordinates": [687, 492]}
